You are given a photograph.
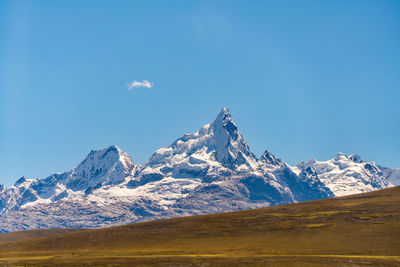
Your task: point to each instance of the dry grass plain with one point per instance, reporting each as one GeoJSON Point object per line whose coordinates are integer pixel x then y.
{"type": "Point", "coordinates": [357, 230]}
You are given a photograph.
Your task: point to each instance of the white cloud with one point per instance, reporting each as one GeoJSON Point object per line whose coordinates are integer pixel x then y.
{"type": "Point", "coordinates": [137, 84]}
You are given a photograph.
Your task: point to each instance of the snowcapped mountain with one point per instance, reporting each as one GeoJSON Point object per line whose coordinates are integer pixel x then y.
{"type": "Point", "coordinates": [217, 149]}
{"type": "Point", "coordinates": [345, 175]}
{"type": "Point", "coordinates": [108, 166]}
{"type": "Point", "coordinates": [212, 170]}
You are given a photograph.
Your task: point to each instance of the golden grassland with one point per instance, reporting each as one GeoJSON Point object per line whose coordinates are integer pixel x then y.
{"type": "Point", "coordinates": [28, 234]}
{"type": "Point", "coordinates": [358, 230]}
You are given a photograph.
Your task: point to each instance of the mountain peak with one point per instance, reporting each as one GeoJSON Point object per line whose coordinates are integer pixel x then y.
{"type": "Point", "coordinates": [225, 124]}
{"type": "Point", "coordinates": [113, 149]}
{"type": "Point", "coordinates": [108, 165]}
{"type": "Point", "coordinates": [219, 142]}
{"type": "Point", "coordinates": [224, 111]}
{"type": "Point", "coordinates": [223, 116]}
{"type": "Point", "coordinates": [269, 158]}
{"type": "Point", "coordinates": [355, 158]}
{"type": "Point", "coordinates": [231, 148]}
{"type": "Point", "coordinates": [21, 180]}
{"type": "Point", "coordinates": [340, 156]}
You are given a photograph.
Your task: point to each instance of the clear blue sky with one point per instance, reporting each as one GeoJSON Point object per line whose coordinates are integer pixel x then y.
{"type": "Point", "coordinates": [302, 79]}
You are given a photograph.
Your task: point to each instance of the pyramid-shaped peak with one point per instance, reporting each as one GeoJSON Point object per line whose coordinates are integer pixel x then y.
{"type": "Point", "coordinates": [219, 142]}
{"type": "Point", "coordinates": [225, 110]}
{"type": "Point", "coordinates": [223, 116]}
{"type": "Point", "coordinates": [224, 123]}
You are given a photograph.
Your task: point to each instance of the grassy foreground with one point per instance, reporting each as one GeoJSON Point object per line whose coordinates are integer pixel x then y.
{"type": "Point", "coordinates": [358, 230]}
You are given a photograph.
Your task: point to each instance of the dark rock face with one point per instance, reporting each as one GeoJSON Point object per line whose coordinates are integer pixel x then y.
{"type": "Point", "coordinates": [355, 158]}
{"type": "Point", "coordinates": [20, 181]}
{"type": "Point", "coordinates": [269, 158]}
{"type": "Point", "coordinates": [260, 190]}
{"type": "Point", "coordinates": [309, 187]}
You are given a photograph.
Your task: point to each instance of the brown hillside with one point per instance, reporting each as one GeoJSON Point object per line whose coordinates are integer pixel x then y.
{"type": "Point", "coordinates": [364, 227]}
{"type": "Point", "coordinates": [30, 234]}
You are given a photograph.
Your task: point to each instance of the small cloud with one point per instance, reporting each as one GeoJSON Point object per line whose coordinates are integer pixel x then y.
{"type": "Point", "coordinates": [59, 72]}
{"type": "Point", "coordinates": [137, 84]}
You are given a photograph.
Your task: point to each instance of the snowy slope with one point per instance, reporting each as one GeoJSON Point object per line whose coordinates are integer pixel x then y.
{"type": "Point", "coordinates": [349, 174]}
{"type": "Point", "coordinates": [212, 170]}
{"type": "Point", "coordinates": [107, 166]}
{"type": "Point", "coordinates": [220, 158]}
{"type": "Point", "coordinates": [303, 186]}
{"type": "Point", "coordinates": [216, 150]}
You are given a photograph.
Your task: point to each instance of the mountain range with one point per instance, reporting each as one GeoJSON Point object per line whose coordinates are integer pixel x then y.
{"type": "Point", "coordinates": [210, 171]}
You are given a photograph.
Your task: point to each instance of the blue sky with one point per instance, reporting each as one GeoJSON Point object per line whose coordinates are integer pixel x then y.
{"type": "Point", "coordinates": [302, 79]}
